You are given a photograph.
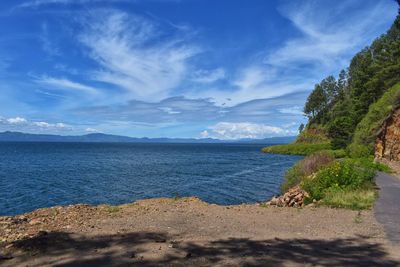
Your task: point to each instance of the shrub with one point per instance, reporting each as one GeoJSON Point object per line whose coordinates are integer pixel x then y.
{"type": "Point", "coordinates": [348, 174]}
{"type": "Point", "coordinates": [338, 153]}
{"type": "Point", "coordinates": [306, 167]}
{"type": "Point", "coordinates": [359, 151]}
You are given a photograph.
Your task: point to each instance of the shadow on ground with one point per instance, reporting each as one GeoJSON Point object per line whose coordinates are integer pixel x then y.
{"type": "Point", "coordinates": [160, 249]}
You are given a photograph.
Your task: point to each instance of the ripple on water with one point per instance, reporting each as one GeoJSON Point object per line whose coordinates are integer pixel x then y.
{"type": "Point", "coordinates": [34, 175]}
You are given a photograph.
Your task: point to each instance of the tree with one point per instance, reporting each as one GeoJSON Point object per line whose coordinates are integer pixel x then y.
{"type": "Point", "coordinates": [330, 88]}
{"type": "Point", "coordinates": [301, 128]}
{"type": "Point", "coordinates": [316, 102]}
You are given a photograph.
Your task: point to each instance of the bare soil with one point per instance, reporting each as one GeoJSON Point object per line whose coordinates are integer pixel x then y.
{"type": "Point", "coordinates": [189, 232]}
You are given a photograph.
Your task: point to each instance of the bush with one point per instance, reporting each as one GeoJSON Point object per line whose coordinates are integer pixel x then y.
{"type": "Point", "coordinates": [348, 174]}
{"type": "Point", "coordinates": [338, 153]}
{"type": "Point", "coordinates": [359, 151]}
{"type": "Point", "coordinates": [306, 167]}
{"type": "Point", "coordinates": [297, 149]}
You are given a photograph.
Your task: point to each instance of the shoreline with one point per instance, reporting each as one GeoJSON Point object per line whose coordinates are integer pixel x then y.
{"type": "Point", "coordinates": [178, 232]}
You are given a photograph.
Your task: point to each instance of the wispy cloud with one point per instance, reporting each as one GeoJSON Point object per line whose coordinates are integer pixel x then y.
{"type": "Point", "coordinates": [62, 83]}
{"type": "Point", "coordinates": [126, 49]}
{"type": "Point", "coordinates": [325, 44]}
{"type": "Point", "coordinates": [209, 76]}
{"type": "Point", "coordinates": [38, 3]}
{"type": "Point", "coordinates": [327, 38]}
{"type": "Point", "coordinates": [47, 45]}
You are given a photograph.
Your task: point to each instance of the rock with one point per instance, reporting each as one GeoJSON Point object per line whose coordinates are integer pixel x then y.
{"type": "Point", "coordinates": [388, 138]}
{"type": "Point", "coordinates": [294, 197]}
{"type": "Point", "coordinates": [35, 222]}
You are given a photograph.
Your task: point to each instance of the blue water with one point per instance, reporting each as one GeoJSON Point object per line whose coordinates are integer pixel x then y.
{"type": "Point", "coordinates": [36, 175]}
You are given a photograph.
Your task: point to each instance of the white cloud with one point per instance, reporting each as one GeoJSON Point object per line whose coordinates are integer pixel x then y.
{"type": "Point", "coordinates": [204, 134]}
{"type": "Point", "coordinates": [25, 124]}
{"type": "Point", "coordinates": [326, 43]}
{"type": "Point", "coordinates": [43, 124]}
{"type": "Point", "coordinates": [327, 39]}
{"type": "Point", "coordinates": [130, 58]}
{"type": "Point", "coordinates": [240, 130]}
{"type": "Point", "coordinates": [91, 130]}
{"type": "Point", "coordinates": [209, 76]}
{"type": "Point", "coordinates": [16, 120]}
{"type": "Point", "coordinates": [295, 110]}
{"type": "Point", "coordinates": [62, 83]}
{"type": "Point", "coordinates": [169, 110]}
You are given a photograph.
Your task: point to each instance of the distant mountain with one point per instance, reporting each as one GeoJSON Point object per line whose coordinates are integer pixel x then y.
{"type": "Point", "coordinates": [108, 138]}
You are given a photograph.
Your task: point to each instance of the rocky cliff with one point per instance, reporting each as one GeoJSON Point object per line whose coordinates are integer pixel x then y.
{"type": "Point", "coordinates": [388, 139]}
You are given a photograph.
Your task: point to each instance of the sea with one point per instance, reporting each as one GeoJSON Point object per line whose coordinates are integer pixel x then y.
{"type": "Point", "coordinates": [37, 175]}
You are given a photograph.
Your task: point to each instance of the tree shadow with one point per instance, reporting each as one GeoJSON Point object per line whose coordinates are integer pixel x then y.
{"type": "Point", "coordinates": [161, 249]}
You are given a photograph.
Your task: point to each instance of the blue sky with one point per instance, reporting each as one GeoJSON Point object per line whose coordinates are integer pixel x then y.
{"type": "Point", "coordinates": [225, 69]}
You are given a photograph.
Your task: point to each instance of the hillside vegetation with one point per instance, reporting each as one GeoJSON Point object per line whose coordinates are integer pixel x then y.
{"type": "Point", "coordinates": [344, 115]}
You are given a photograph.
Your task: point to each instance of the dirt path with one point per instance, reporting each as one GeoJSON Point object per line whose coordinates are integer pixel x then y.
{"type": "Point", "coordinates": [188, 232]}
{"type": "Point", "coordinates": [387, 207]}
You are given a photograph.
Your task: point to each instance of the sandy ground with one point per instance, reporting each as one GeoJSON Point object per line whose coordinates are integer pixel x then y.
{"type": "Point", "coordinates": [189, 232]}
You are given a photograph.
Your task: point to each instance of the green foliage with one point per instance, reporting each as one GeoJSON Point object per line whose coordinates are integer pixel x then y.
{"type": "Point", "coordinates": [359, 151]}
{"type": "Point", "coordinates": [366, 130]}
{"type": "Point", "coordinates": [335, 153]}
{"type": "Point", "coordinates": [313, 135]}
{"type": "Point", "coordinates": [302, 149]}
{"type": "Point", "coordinates": [345, 175]}
{"type": "Point", "coordinates": [339, 130]}
{"type": "Point", "coordinates": [350, 199]}
{"type": "Point", "coordinates": [306, 167]}
{"type": "Point", "coordinates": [301, 128]}
{"type": "Point", "coordinates": [316, 102]}
{"type": "Point", "coordinates": [339, 106]}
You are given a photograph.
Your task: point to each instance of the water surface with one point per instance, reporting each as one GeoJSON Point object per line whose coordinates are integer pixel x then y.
{"type": "Point", "coordinates": [36, 175]}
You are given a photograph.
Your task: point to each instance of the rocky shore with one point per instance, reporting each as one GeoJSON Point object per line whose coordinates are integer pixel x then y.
{"type": "Point", "coordinates": [187, 231]}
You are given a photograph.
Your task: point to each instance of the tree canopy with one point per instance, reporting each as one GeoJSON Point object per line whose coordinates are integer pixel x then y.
{"type": "Point", "coordinates": [338, 105]}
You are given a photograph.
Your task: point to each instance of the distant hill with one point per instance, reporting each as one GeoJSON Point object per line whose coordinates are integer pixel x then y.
{"type": "Point", "coordinates": [108, 138]}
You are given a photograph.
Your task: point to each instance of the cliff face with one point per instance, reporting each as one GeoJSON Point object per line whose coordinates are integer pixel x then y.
{"type": "Point", "coordinates": [388, 140]}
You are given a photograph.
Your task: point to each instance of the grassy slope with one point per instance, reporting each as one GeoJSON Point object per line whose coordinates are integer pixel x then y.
{"type": "Point", "coordinates": [366, 130]}
{"type": "Point", "coordinates": [303, 149]}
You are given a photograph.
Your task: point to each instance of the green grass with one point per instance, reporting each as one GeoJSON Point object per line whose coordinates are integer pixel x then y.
{"type": "Point", "coordinates": [351, 199]}
{"type": "Point", "coordinates": [365, 134]}
{"type": "Point", "coordinates": [302, 149]}
{"type": "Point", "coordinates": [113, 209]}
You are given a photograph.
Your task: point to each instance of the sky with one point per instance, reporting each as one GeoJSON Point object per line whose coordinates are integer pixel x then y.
{"type": "Point", "coordinates": [226, 69]}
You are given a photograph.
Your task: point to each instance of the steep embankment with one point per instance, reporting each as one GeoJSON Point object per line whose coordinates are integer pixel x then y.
{"type": "Point", "coordinates": [388, 138]}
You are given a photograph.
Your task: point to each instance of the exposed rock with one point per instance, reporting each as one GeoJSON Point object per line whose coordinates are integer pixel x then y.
{"type": "Point", "coordinates": [388, 139]}
{"type": "Point", "coordinates": [294, 197]}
